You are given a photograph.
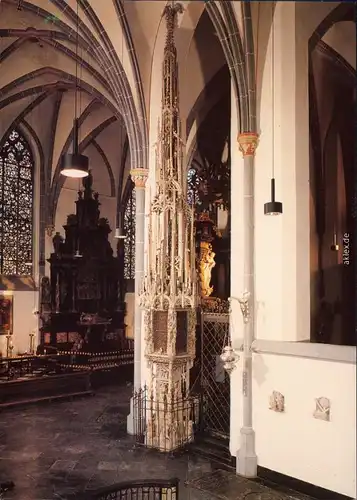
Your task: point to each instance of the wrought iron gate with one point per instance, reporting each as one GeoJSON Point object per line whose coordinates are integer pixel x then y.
{"type": "Point", "coordinates": [215, 383]}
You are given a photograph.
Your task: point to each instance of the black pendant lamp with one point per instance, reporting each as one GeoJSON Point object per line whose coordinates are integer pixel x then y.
{"type": "Point", "coordinates": [75, 165]}
{"type": "Point", "coordinates": [272, 207]}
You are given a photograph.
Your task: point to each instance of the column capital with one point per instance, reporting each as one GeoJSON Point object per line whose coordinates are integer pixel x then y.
{"type": "Point", "coordinates": [139, 176]}
{"type": "Point", "coordinates": [248, 143]}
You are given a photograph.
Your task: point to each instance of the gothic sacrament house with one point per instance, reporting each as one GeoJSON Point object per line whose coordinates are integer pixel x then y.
{"type": "Point", "coordinates": [169, 294]}
{"type": "Point", "coordinates": [177, 220]}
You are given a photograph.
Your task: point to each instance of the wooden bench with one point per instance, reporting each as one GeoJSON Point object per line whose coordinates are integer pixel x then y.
{"type": "Point", "coordinates": [44, 388]}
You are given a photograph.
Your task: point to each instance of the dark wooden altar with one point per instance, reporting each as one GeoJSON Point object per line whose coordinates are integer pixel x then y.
{"type": "Point", "coordinates": [82, 305]}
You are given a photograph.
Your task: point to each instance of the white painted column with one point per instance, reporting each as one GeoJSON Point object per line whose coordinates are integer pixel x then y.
{"type": "Point", "coordinates": [139, 177]}
{"type": "Point", "coordinates": [237, 275]}
{"type": "Point", "coordinates": [246, 457]}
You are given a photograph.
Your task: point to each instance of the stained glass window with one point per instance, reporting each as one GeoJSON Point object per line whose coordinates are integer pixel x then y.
{"type": "Point", "coordinates": [193, 182]}
{"type": "Point", "coordinates": [16, 205]}
{"type": "Point", "coordinates": [129, 242]}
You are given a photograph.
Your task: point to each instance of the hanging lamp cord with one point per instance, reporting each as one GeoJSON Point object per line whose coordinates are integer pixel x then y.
{"type": "Point", "coordinates": [272, 89]}
{"type": "Point", "coordinates": [77, 41]}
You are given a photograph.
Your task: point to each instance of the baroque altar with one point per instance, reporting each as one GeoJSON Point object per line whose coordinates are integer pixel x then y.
{"type": "Point", "coordinates": [83, 296]}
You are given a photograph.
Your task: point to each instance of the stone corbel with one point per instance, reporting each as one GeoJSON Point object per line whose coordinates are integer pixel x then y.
{"type": "Point", "coordinates": [50, 229]}
{"type": "Point", "coordinates": [248, 143]}
{"type": "Point", "coordinates": [244, 306]}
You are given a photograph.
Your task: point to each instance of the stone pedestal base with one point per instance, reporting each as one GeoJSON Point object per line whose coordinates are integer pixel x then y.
{"type": "Point", "coordinates": [247, 461]}
{"type": "Point", "coordinates": [130, 427]}
{"type": "Point", "coordinates": [170, 431]}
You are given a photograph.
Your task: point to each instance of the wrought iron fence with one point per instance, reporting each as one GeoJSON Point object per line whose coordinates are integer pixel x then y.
{"type": "Point", "coordinates": [81, 360]}
{"type": "Point", "coordinates": [167, 424]}
{"type": "Point", "coordinates": [215, 383]}
{"type": "Point", "coordinates": [135, 490]}
{"type": "Point", "coordinates": [28, 366]}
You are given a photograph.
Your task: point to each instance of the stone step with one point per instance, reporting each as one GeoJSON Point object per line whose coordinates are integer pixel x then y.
{"type": "Point", "coordinates": [213, 449]}
{"type": "Point", "coordinates": [214, 441]}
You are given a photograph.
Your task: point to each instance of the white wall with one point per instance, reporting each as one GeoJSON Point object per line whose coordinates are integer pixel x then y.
{"type": "Point", "coordinates": [24, 322]}
{"type": "Point", "coordinates": [294, 443]}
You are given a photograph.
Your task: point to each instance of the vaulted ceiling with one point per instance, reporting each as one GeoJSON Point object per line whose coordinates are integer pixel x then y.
{"type": "Point", "coordinates": [116, 41]}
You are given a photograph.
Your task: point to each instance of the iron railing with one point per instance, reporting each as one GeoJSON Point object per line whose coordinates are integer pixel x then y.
{"type": "Point", "coordinates": [166, 425]}
{"type": "Point", "coordinates": [214, 380]}
{"type": "Point", "coordinates": [81, 360]}
{"type": "Point", "coordinates": [27, 366]}
{"type": "Point", "coordinates": [18, 367]}
{"type": "Point", "coordinates": [134, 490]}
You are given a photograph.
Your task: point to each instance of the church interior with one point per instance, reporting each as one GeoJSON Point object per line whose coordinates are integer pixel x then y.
{"type": "Point", "coordinates": [177, 234]}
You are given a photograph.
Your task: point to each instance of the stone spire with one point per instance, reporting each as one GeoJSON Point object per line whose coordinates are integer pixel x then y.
{"type": "Point", "coordinates": [169, 292]}
{"type": "Point", "coordinates": [170, 277]}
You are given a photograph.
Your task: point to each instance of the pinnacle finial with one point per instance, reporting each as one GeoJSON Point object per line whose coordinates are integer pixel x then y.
{"type": "Point", "coordinates": [170, 12]}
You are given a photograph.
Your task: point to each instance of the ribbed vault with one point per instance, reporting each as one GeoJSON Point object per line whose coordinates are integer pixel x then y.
{"type": "Point", "coordinates": [37, 82]}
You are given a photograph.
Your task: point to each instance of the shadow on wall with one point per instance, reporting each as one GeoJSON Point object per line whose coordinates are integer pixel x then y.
{"type": "Point", "coordinates": [260, 369]}
{"type": "Point", "coordinates": [332, 156]}
{"type": "Point", "coordinates": [129, 315]}
{"type": "Point", "coordinates": [332, 321]}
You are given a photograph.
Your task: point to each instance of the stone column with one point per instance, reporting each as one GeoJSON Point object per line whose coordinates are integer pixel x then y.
{"type": "Point", "coordinates": [139, 177]}
{"type": "Point", "coordinates": [246, 457]}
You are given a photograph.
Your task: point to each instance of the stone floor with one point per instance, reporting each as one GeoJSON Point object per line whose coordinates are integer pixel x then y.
{"type": "Point", "coordinates": [51, 451]}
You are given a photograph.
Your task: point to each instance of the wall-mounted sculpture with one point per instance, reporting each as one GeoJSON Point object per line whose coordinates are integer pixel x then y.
{"type": "Point", "coordinates": [244, 306]}
{"type": "Point", "coordinates": [277, 402]}
{"type": "Point", "coordinates": [207, 262]}
{"type": "Point", "coordinates": [322, 410]}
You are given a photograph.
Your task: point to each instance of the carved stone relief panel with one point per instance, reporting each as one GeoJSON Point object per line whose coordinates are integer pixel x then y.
{"type": "Point", "coordinates": [322, 410]}
{"type": "Point", "coordinates": [277, 402]}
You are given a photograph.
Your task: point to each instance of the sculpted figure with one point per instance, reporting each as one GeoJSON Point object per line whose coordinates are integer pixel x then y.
{"type": "Point", "coordinates": [45, 290]}
{"type": "Point", "coordinates": [207, 263]}
{"type": "Point", "coordinates": [57, 242]}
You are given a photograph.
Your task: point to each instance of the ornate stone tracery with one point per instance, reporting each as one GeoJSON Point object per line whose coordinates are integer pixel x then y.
{"type": "Point", "coordinates": [16, 202]}
{"type": "Point", "coordinates": [169, 289]}
{"type": "Point", "coordinates": [129, 231]}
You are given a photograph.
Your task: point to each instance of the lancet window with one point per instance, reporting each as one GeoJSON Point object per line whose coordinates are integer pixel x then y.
{"type": "Point", "coordinates": [193, 183]}
{"type": "Point", "coordinates": [208, 185]}
{"type": "Point", "coordinates": [16, 205]}
{"type": "Point", "coordinates": [129, 242]}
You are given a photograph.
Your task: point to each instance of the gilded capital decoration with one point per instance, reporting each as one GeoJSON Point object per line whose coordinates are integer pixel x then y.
{"type": "Point", "coordinates": [248, 143]}
{"type": "Point", "coordinates": [139, 176]}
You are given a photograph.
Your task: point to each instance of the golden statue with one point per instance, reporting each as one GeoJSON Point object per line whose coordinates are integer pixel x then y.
{"type": "Point", "coordinates": [207, 262]}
